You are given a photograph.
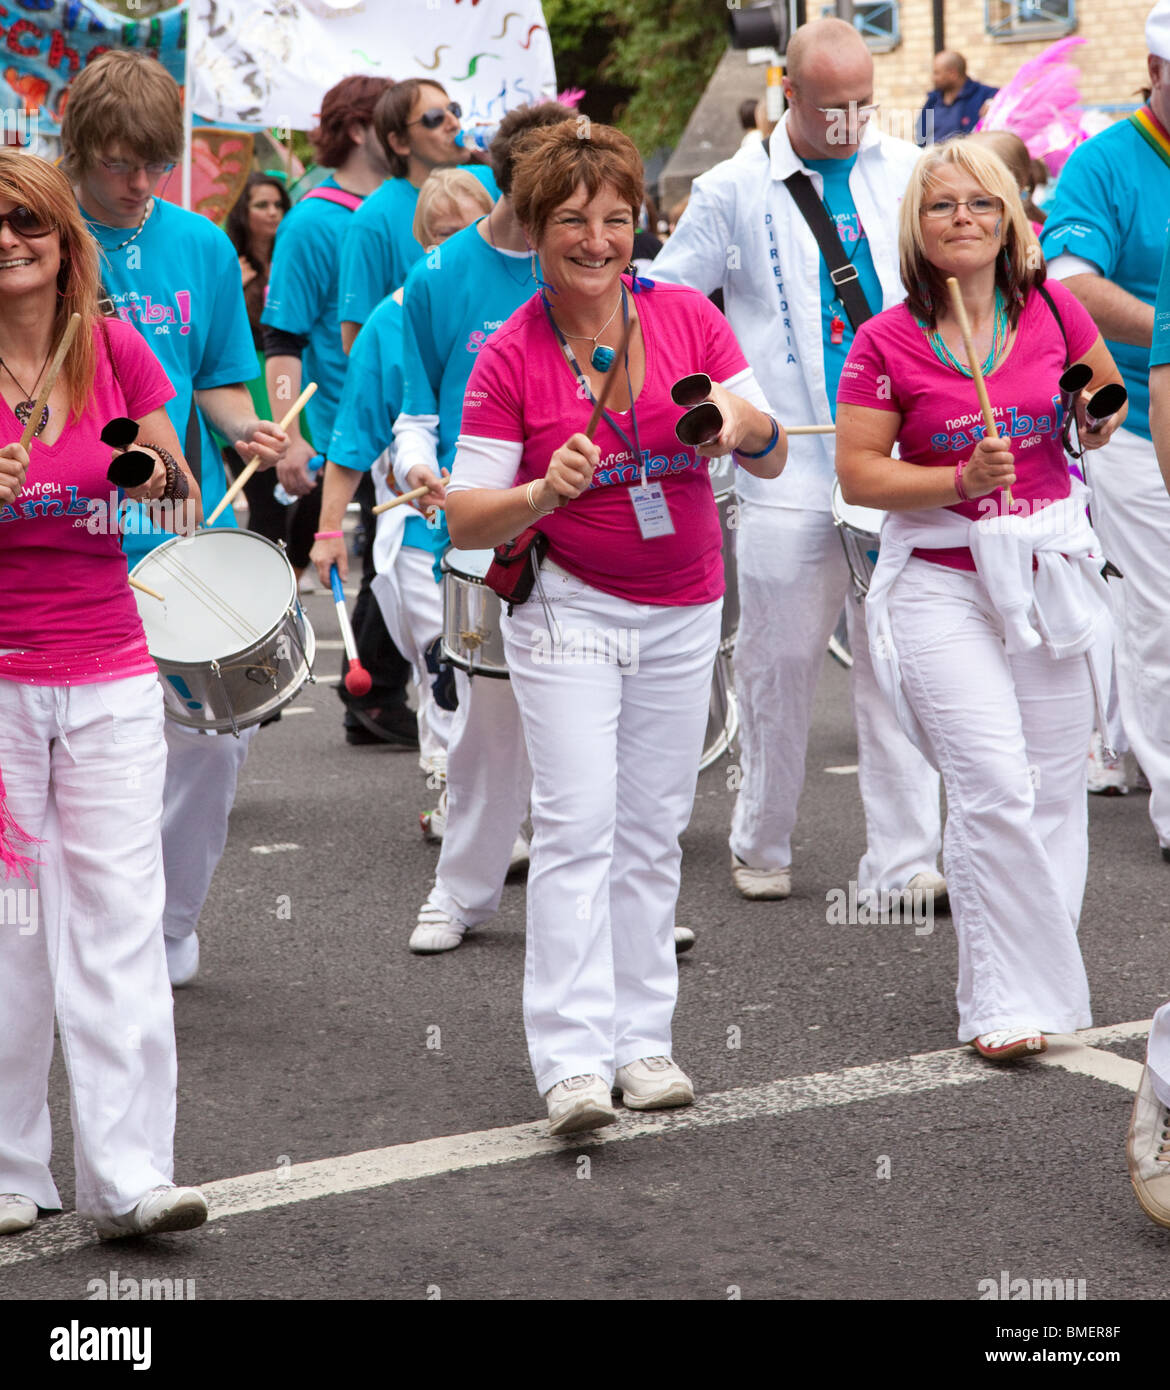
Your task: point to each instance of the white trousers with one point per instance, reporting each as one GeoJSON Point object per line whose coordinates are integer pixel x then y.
{"type": "Point", "coordinates": [1131, 514]}
{"type": "Point", "coordinates": [793, 581]}
{"type": "Point", "coordinates": [84, 768]}
{"type": "Point", "coordinates": [615, 757]}
{"type": "Point", "coordinates": [1009, 735]}
{"type": "Point", "coordinates": [202, 773]}
{"type": "Point", "coordinates": [488, 785]}
{"type": "Point", "coordinates": [412, 609]}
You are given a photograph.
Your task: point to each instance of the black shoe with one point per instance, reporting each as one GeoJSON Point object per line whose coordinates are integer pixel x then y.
{"type": "Point", "coordinates": [1166, 853]}
{"type": "Point", "coordinates": [395, 725]}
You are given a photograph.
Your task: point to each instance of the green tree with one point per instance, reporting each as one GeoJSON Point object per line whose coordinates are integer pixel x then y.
{"type": "Point", "coordinates": [643, 63]}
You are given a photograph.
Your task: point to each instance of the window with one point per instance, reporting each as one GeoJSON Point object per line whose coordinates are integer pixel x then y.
{"type": "Point", "coordinates": [1015, 21]}
{"type": "Point", "coordinates": [876, 21]}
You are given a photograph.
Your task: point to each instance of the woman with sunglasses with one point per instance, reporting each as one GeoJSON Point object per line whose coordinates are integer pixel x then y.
{"type": "Point", "coordinates": [81, 735]}
{"type": "Point", "coordinates": [990, 636]}
{"type": "Point", "coordinates": [611, 655]}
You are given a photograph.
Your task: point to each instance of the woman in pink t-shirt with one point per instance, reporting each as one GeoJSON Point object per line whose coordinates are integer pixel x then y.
{"type": "Point", "coordinates": [81, 738]}
{"type": "Point", "coordinates": [989, 633]}
{"type": "Point", "coordinates": [611, 656]}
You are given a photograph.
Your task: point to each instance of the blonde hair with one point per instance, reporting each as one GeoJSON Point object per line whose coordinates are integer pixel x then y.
{"type": "Point", "coordinates": [45, 191]}
{"type": "Point", "coordinates": [126, 98]}
{"type": "Point", "coordinates": [442, 191]}
{"type": "Point", "coordinates": [1018, 267]}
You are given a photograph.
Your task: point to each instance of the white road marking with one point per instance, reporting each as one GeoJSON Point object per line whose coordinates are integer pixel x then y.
{"type": "Point", "coordinates": [299, 709]}
{"type": "Point", "coordinates": [374, 1168]}
{"type": "Point", "coordinates": [330, 644]}
{"type": "Point", "coordinates": [1071, 1054]}
{"type": "Point", "coordinates": [274, 849]}
{"type": "Point", "coordinates": [844, 771]}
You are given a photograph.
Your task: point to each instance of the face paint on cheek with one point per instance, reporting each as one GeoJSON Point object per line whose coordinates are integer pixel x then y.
{"type": "Point", "coordinates": [998, 225]}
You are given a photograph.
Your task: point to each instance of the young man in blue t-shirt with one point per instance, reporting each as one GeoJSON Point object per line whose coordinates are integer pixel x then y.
{"type": "Point", "coordinates": [418, 126]}
{"type": "Point", "coordinates": [302, 342]}
{"type": "Point", "coordinates": [176, 277]}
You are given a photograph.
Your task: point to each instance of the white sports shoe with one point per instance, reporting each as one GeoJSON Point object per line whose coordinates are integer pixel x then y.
{"type": "Point", "coordinates": [578, 1103]}
{"type": "Point", "coordinates": [1006, 1044]}
{"type": "Point", "coordinates": [684, 939]}
{"type": "Point", "coordinates": [760, 884]}
{"type": "Point", "coordinates": [929, 886]}
{"type": "Point", "coordinates": [165, 1208]}
{"type": "Point", "coordinates": [435, 931]}
{"type": "Point", "coordinates": [1147, 1151]}
{"type": "Point", "coordinates": [182, 959]}
{"type": "Point", "coordinates": [434, 823]}
{"type": "Point", "coordinates": [654, 1083]}
{"type": "Point", "coordinates": [17, 1213]}
{"type": "Point", "coordinates": [519, 859]}
{"type": "Point", "coordinates": [1106, 775]}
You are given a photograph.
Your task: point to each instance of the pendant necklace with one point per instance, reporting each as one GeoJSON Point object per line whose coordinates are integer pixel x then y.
{"type": "Point", "coordinates": [23, 409]}
{"type": "Point", "coordinates": [145, 214]}
{"type": "Point", "coordinates": [601, 359]}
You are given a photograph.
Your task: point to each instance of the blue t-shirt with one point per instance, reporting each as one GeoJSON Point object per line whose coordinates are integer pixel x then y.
{"type": "Point", "coordinates": [1112, 207]}
{"type": "Point", "coordinates": [302, 298]}
{"type": "Point", "coordinates": [959, 117]}
{"type": "Point", "coordinates": [178, 283]}
{"type": "Point", "coordinates": [370, 403]}
{"type": "Point", "coordinates": [453, 305]}
{"type": "Point", "coordinates": [380, 247]}
{"type": "Point", "coordinates": [842, 210]}
{"type": "Point", "coordinates": [1160, 351]}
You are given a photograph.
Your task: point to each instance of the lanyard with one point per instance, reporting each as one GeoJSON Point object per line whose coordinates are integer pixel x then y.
{"type": "Point", "coordinates": [636, 446]}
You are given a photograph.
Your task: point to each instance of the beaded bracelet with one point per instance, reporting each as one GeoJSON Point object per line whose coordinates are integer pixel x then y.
{"type": "Point", "coordinates": [959, 481]}
{"type": "Point", "coordinates": [767, 449]}
{"type": "Point", "coordinates": [328, 535]}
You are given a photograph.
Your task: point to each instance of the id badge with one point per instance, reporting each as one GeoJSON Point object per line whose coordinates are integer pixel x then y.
{"type": "Point", "coordinates": [651, 510]}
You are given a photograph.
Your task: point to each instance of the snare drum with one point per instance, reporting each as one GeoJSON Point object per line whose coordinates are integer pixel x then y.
{"type": "Point", "coordinates": [472, 639]}
{"type": "Point", "coordinates": [230, 640]}
{"type": "Point", "coordinates": [859, 529]}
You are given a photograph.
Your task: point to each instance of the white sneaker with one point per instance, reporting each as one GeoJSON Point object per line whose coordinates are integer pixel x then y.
{"type": "Point", "coordinates": [434, 823]}
{"type": "Point", "coordinates": [684, 939]}
{"type": "Point", "coordinates": [307, 583]}
{"type": "Point", "coordinates": [435, 931]}
{"type": "Point", "coordinates": [1106, 775]}
{"type": "Point", "coordinates": [654, 1083]}
{"type": "Point", "coordinates": [1147, 1151]}
{"type": "Point", "coordinates": [182, 959]}
{"type": "Point", "coordinates": [17, 1213]}
{"type": "Point", "coordinates": [519, 859]}
{"type": "Point", "coordinates": [760, 884]}
{"type": "Point", "coordinates": [577, 1103]}
{"type": "Point", "coordinates": [1006, 1044]}
{"type": "Point", "coordinates": [166, 1208]}
{"type": "Point", "coordinates": [929, 886]}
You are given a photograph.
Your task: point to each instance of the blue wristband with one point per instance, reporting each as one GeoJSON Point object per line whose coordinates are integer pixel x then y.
{"type": "Point", "coordinates": [767, 449]}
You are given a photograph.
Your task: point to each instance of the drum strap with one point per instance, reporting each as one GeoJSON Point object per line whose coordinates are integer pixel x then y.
{"type": "Point", "coordinates": [1048, 299]}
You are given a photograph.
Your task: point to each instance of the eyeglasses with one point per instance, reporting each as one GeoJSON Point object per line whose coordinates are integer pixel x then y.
{"type": "Point", "coordinates": [843, 113]}
{"type": "Point", "coordinates": [24, 223]}
{"type": "Point", "coordinates": [120, 168]}
{"type": "Point", "coordinates": [435, 117]}
{"type": "Point", "coordinates": [977, 207]}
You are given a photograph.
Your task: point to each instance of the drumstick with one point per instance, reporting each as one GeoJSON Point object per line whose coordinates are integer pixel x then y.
{"type": "Point", "coordinates": [810, 429]}
{"type": "Point", "coordinates": [972, 361]}
{"type": "Point", "coordinates": [610, 378]}
{"type": "Point", "coordinates": [62, 348]}
{"type": "Point", "coordinates": [146, 589]}
{"type": "Point", "coordinates": [237, 487]}
{"type": "Point", "coordinates": [398, 501]}
{"type": "Point", "coordinates": [358, 680]}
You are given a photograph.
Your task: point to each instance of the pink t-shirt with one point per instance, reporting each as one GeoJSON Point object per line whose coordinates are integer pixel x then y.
{"type": "Point", "coordinates": [891, 366]}
{"type": "Point", "coordinates": [68, 616]}
{"type": "Point", "coordinates": [522, 389]}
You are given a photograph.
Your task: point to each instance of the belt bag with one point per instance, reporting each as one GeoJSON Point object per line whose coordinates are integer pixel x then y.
{"type": "Point", "coordinates": [513, 572]}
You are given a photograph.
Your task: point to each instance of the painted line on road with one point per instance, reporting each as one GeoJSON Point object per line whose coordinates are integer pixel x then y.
{"type": "Point", "coordinates": [846, 770]}
{"type": "Point", "coordinates": [427, 1158]}
{"type": "Point", "coordinates": [1070, 1054]}
{"type": "Point", "coordinates": [330, 644]}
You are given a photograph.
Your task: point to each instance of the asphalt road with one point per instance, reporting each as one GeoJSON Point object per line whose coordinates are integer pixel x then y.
{"type": "Point", "coordinates": [312, 1034]}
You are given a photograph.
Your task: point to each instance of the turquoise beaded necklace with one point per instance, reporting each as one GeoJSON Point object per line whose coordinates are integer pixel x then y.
{"type": "Point", "coordinates": [998, 342]}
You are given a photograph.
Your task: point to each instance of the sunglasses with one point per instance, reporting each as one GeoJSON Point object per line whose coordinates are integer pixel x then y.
{"type": "Point", "coordinates": [435, 117]}
{"type": "Point", "coordinates": [120, 167]}
{"type": "Point", "coordinates": [25, 223]}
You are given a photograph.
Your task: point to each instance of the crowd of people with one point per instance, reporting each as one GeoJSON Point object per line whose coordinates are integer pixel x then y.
{"type": "Point", "coordinates": [508, 342]}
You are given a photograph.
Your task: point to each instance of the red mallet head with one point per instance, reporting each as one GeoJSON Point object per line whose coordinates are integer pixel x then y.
{"type": "Point", "coordinates": [358, 680]}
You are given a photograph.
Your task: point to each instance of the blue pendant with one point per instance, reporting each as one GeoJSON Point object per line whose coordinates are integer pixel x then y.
{"type": "Point", "coordinates": [602, 358]}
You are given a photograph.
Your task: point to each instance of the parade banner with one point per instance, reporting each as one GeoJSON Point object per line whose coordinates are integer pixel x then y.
{"type": "Point", "coordinates": [46, 43]}
{"type": "Point", "coordinates": [269, 64]}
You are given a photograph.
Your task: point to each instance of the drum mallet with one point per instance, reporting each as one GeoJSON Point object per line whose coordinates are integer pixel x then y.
{"type": "Point", "coordinates": [973, 362]}
{"type": "Point", "coordinates": [358, 680]}
{"type": "Point", "coordinates": [238, 486]}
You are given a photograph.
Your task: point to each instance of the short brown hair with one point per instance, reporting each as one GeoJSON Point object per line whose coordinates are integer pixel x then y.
{"type": "Point", "coordinates": [443, 188]}
{"type": "Point", "coordinates": [352, 99]}
{"type": "Point", "coordinates": [392, 113]}
{"type": "Point", "coordinates": [1018, 267]}
{"type": "Point", "coordinates": [516, 126]}
{"type": "Point", "coordinates": [124, 97]}
{"type": "Point", "coordinates": [554, 161]}
{"type": "Point", "coordinates": [45, 191]}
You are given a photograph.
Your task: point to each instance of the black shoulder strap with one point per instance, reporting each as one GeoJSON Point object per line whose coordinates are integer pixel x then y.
{"type": "Point", "coordinates": [1048, 299]}
{"type": "Point", "coordinates": [842, 271]}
